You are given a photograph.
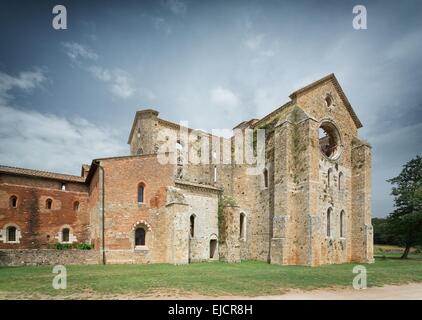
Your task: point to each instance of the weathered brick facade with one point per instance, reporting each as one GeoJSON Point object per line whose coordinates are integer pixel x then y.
{"type": "Point", "coordinates": [311, 204]}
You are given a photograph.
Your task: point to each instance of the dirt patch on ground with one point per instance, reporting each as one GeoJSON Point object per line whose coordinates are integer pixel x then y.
{"type": "Point", "coordinates": [397, 292]}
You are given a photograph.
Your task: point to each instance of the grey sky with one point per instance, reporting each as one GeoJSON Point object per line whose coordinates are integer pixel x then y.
{"type": "Point", "coordinates": [67, 97]}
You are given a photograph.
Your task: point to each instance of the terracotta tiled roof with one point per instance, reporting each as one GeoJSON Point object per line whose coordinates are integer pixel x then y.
{"type": "Point", "coordinates": [40, 174]}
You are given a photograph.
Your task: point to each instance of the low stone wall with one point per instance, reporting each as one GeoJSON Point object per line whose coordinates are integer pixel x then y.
{"type": "Point", "coordinates": [21, 257]}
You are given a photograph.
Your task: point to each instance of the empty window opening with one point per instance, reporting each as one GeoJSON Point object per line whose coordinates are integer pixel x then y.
{"type": "Point", "coordinates": [13, 201]}
{"type": "Point", "coordinates": [265, 173]}
{"type": "Point", "coordinates": [242, 226]}
{"type": "Point", "coordinates": [141, 191]}
{"type": "Point", "coordinates": [140, 237]}
{"type": "Point", "coordinates": [215, 173]}
{"type": "Point", "coordinates": [329, 222]}
{"type": "Point", "coordinates": [63, 187]}
{"type": "Point", "coordinates": [340, 181]}
{"type": "Point", "coordinates": [342, 218]}
{"type": "Point", "coordinates": [329, 140]}
{"type": "Point", "coordinates": [48, 203]}
{"type": "Point", "coordinates": [329, 100]}
{"type": "Point", "coordinates": [329, 177]}
{"type": "Point", "coordinates": [76, 206]}
{"type": "Point", "coordinates": [11, 234]}
{"type": "Point", "coordinates": [213, 247]}
{"type": "Point", "coordinates": [192, 226]}
{"type": "Point", "coordinates": [65, 235]}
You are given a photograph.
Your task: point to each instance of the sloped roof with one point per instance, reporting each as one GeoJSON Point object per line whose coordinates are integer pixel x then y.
{"type": "Point", "coordinates": [41, 174]}
{"type": "Point", "coordinates": [331, 77]}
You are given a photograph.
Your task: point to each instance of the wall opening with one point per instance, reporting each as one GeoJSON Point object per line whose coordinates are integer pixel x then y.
{"type": "Point", "coordinates": [11, 234]}
{"type": "Point", "coordinates": [329, 177]}
{"type": "Point", "coordinates": [141, 191]}
{"type": "Point", "coordinates": [76, 206]}
{"type": "Point", "coordinates": [213, 247]}
{"type": "Point", "coordinates": [265, 173]}
{"type": "Point", "coordinates": [140, 237]}
{"type": "Point", "coordinates": [13, 202]}
{"type": "Point", "coordinates": [329, 140]}
{"type": "Point", "coordinates": [65, 235]}
{"type": "Point", "coordinates": [342, 218]}
{"type": "Point", "coordinates": [192, 226]}
{"type": "Point", "coordinates": [48, 203]}
{"type": "Point", "coordinates": [329, 211]}
{"type": "Point", "coordinates": [340, 181]}
{"type": "Point", "coordinates": [242, 226]}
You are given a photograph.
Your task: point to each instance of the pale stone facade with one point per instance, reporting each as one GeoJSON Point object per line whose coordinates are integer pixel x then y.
{"type": "Point", "coordinates": [309, 204]}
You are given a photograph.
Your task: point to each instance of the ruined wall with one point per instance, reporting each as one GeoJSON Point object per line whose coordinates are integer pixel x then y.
{"type": "Point", "coordinates": [37, 226]}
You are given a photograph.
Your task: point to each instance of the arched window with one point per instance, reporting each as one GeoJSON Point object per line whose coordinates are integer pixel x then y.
{"type": "Point", "coordinates": [329, 176]}
{"type": "Point", "coordinates": [329, 211]}
{"type": "Point", "coordinates": [65, 235]}
{"type": "Point", "coordinates": [242, 226]}
{"type": "Point", "coordinates": [13, 201]}
{"type": "Point", "coordinates": [76, 206]}
{"type": "Point", "coordinates": [141, 191]}
{"type": "Point", "coordinates": [340, 181]}
{"type": "Point", "coordinates": [342, 224]}
{"type": "Point", "coordinates": [192, 226]}
{"type": "Point", "coordinates": [48, 203]}
{"type": "Point", "coordinates": [140, 237]}
{"type": "Point", "coordinates": [265, 173]}
{"type": "Point", "coordinates": [215, 173]}
{"type": "Point", "coordinates": [329, 100]}
{"type": "Point", "coordinates": [11, 234]}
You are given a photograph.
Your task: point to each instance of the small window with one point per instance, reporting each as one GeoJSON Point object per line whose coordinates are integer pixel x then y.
{"type": "Point", "coordinates": [342, 222]}
{"type": "Point", "coordinates": [242, 226]}
{"type": "Point", "coordinates": [141, 191]}
{"type": "Point", "coordinates": [215, 173]}
{"type": "Point", "coordinates": [329, 177]}
{"type": "Point", "coordinates": [63, 187]}
{"type": "Point", "coordinates": [340, 181]}
{"type": "Point", "coordinates": [329, 100]}
{"type": "Point", "coordinates": [213, 247]}
{"type": "Point", "coordinates": [11, 234]}
{"type": "Point", "coordinates": [13, 201]}
{"type": "Point", "coordinates": [65, 235]}
{"type": "Point", "coordinates": [192, 226]}
{"type": "Point", "coordinates": [265, 173]}
{"type": "Point", "coordinates": [140, 237]}
{"type": "Point", "coordinates": [48, 203]}
{"type": "Point", "coordinates": [329, 222]}
{"type": "Point", "coordinates": [76, 206]}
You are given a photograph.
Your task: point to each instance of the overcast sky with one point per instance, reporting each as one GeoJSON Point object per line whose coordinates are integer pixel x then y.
{"type": "Point", "coordinates": [68, 96]}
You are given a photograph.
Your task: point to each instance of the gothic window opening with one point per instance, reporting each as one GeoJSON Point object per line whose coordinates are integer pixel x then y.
{"type": "Point", "coordinates": [11, 234]}
{"type": "Point", "coordinates": [329, 100]}
{"type": "Point", "coordinates": [215, 173]}
{"type": "Point", "coordinates": [329, 211]}
{"type": "Point", "coordinates": [242, 226]}
{"type": "Point", "coordinates": [329, 177]}
{"type": "Point", "coordinates": [13, 201]}
{"type": "Point", "coordinates": [63, 187]}
{"type": "Point", "coordinates": [265, 173]}
{"type": "Point", "coordinates": [76, 206]}
{"type": "Point", "coordinates": [340, 181]}
{"type": "Point", "coordinates": [65, 235]}
{"type": "Point", "coordinates": [48, 203]}
{"type": "Point", "coordinates": [140, 237]}
{"type": "Point", "coordinates": [141, 191]}
{"type": "Point", "coordinates": [329, 140]}
{"type": "Point", "coordinates": [342, 224]}
{"type": "Point", "coordinates": [192, 226]}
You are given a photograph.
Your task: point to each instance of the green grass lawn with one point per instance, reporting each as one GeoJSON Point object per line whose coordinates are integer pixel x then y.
{"type": "Point", "coordinates": [214, 278]}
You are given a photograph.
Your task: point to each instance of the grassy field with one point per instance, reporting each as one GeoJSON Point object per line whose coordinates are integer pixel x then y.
{"type": "Point", "coordinates": [248, 278]}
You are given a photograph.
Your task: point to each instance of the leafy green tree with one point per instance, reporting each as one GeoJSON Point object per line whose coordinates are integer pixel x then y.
{"type": "Point", "coordinates": [405, 222]}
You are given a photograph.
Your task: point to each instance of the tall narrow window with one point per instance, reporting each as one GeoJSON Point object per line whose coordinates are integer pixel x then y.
{"type": "Point", "coordinates": [265, 178]}
{"type": "Point", "coordinates": [11, 234]}
{"type": "Point", "coordinates": [141, 191]}
{"type": "Point", "coordinates": [215, 173]}
{"type": "Point", "coordinates": [242, 226]}
{"type": "Point", "coordinates": [340, 181]}
{"type": "Point", "coordinates": [213, 246]}
{"type": "Point", "coordinates": [48, 203]}
{"type": "Point", "coordinates": [140, 237]}
{"type": "Point", "coordinates": [13, 202]}
{"type": "Point", "coordinates": [329, 176]}
{"type": "Point", "coordinates": [76, 206]}
{"type": "Point", "coordinates": [329, 222]}
{"type": "Point", "coordinates": [192, 225]}
{"type": "Point", "coordinates": [342, 218]}
{"type": "Point", "coordinates": [65, 235]}
{"type": "Point", "coordinates": [63, 186]}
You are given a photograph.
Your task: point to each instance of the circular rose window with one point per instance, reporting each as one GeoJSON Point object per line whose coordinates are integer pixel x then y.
{"type": "Point", "coordinates": [329, 140]}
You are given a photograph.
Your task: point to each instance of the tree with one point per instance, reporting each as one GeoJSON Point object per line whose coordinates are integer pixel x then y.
{"type": "Point", "coordinates": [405, 222]}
